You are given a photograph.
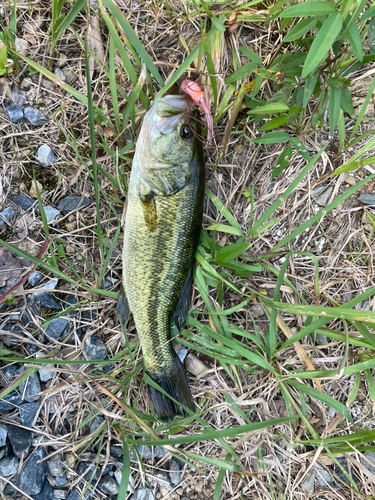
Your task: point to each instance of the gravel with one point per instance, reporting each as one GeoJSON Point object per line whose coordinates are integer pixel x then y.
{"type": "Point", "coordinates": [46, 157]}
{"type": "Point", "coordinates": [7, 215]}
{"type": "Point", "coordinates": [3, 435]}
{"type": "Point", "coordinates": [34, 116]}
{"type": "Point", "coordinates": [20, 439]}
{"type": "Point", "coordinates": [33, 475]}
{"type": "Point", "coordinates": [24, 201]}
{"type": "Point", "coordinates": [94, 349]}
{"type": "Point", "coordinates": [74, 202]}
{"type": "Point", "coordinates": [28, 412]}
{"type": "Point", "coordinates": [55, 328]}
{"type": "Point", "coordinates": [14, 112]}
{"type": "Point", "coordinates": [9, 466]}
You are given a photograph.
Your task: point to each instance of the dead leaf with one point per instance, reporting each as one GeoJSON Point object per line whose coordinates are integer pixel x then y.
{"type": "Point", "coordinates": [95, 45]}
{"type": "Point", "coordinates": [368, 188]}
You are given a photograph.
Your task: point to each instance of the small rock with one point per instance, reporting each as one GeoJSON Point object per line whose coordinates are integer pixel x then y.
{"type": "Point", "coordinates": [47, 84]}
{"type": "Point", "coordinates": [339, 474]}
{"type": "Point", "coordinates": [20, 439]}
{"type": "Point", "coordinates": [370, 455]}
{"type": "Point", "coordinates": [308, 482]}
{"type": "Point", "coordinates": [257, 310]}
{"type": "Point", "coordinates": [50, 285]}
{"type": "Point", "coordinates": [321, 339]}
{"type": "Point", "coordinates": [60, 74]}
{"type": "Point", "coordinates": [24, 201]}
{"type": "Point", "coordinates": [46, 375]}
{"type": "Point", "coordinates": [7, 215]}
{"type": "Point", "coordinates": [145, 494]}
{"type": "Point", "coordinates": [34, 278]}
{"type": "Point", "coordinates": [94, 349]}
{"type": "Point", "coordinates": [46, 493]}
{"type": "Point", "coordinates": [26, 84]}
{"type": "Point", "coordinates": [9, 490]}
{"type": "Point", "coordinates": [118, 477]}
{"type": "Point", "coordinates": [19, 97]}
{"type": "Point", "coordinates": [322, 475]}
{"type": "Point", "coordinates": [350, 180]}
{"type": "Point", "coordinates": [323, 198]}
{"type": "Point", "coordinates": [195, 365]}
{"type": "Point", "coordinates": [55, 328]}
{"type": "Point", "coordinates": [29, 388]}
{"type": "Point", "coordinates": [5, 92]}
{"type": "Point", "coordinates": [29, 313]}
{"type": "Point", "coordinates": [22, 46]}
{"type": "Point", "coordinates": [10, 402]}
{"type": "Point", "coordinates": [367, 199]}
{"type": "Point", "coordinates": [34, 116]}
{"type": "Point", "coordinates": [51, 213]}
{"type": "Point", "coordinates": [74, 202]}
{"type": "Point", "coordinates": [48, 301]}
{"type": "Point", "coordinates": [33, 191]}
{"type": "Point", "coordinates": [96, 423]}
{"type": "Point", "coordinates": [28, 412]}
{"type": "Point", "coordinates": [9, 466]}
{"type": "Point", "coordinates": [163, 479]}
{"type": "Point", "coordinates": [70, 249]}
{"type": "Point", "coordinates": [74, 495]}
{"type": "Point", "coordinates": [3, 435]}
{"type": "Point", "coordinates": [109, 486]}
{"type": "Point", "coordinates": [62, 494]}
{"type": "Point", "coordinates": [70, 75]}
{"type": "Point", "coordinates": [33, 475]}
{"type": "Point", "coordinates": [62, 60]}
{"type": "Point", "coordinates": [182, 353]}
{"type": "Point", "coordinates": [174, 472]}
{"type": "Point", "coordinates": [46, 156]}
{"type": "Point", "coordinates": [14, 112]}
{"type": "Point", "coordinates": [109, 282]}
{"type": "Point", "coordinates": [61, 480]}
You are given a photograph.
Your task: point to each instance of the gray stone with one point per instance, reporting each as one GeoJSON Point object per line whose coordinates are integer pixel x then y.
{"type": "Point", "coordinates": [34, 278]}
{"type": "Point", "coordinates": [145, 494]}
{"type": "Point", "coordinates": [62, 60]}
{"type": "Point", "coordinates": [61, 480]}
{"type": "Point", "coordinates": [46, 493]}
{"type": "Point", "coordinates": [34, 116]}
{"type": "Point", "coordinates": [174, 472]}
{"type": "Point", "coordinates": [109, 486]}
{"type": "Point", "coordinates": [19, 97]}
{"type": "Point", "coordinates": [182, 353]}
{"type": "Point", "coordinates": [55, 328]}
{"type": "Point", "coordinates": [74, 202]}
{"type": "Point", "coordinates": [51, 213]}
{"type": "Point", "coordinates": [8, 466]}
{"type": "Point", "coordinates": [33, 475]}
{"type": "Point", "coordinates": [109, 282]}
{"type": "Point", "coordinates": [9, 490]}
{"type": "Point", "coordinates": [94, 349]}
{"type": "Point", "coordinates": [308, 482]}
{"type": "Point", "coordinates": [50, 285]}
{"type": "Point", "coordinates": [7, 215]}
{"type": "Point", "coordinates": [26, 84]}
{"type": "Point", "coordinates": [20, 439]}
{"type": "Point", "coordinates": [24, 201]}
{"type": "Point", "coordinates": [367, 199]}
{"type": "Point", "coordinates": [118, 477]}
{"type": "Point", "coordinates": [55, 467]}
{"type": "Point", "coordinates": [321, 339]}
{"type": "Point", "coordinates": [46, 156]}
{"type": "Point", "coordinates": [163, 479]}
{"type": "Point", "coordinates": [371, 457]}
{"type": "Point", "coordinates": [323, 477]}
{"type": "Point", "coordinates": [28, 412]}
{"type": "Point", "coordinates": [96, 423]}
{"type": "Point", "coordinates": [74, 495]}
{"type": "Point", "coordinates": [61, 494]}
{"type": "Point", "coordinates": [339, 474]}
{"type": "Point", "coordinates": [29, 311]}
{"type": "Point", "coordinates": [48, 301]}
{"type": "Point", "coordinates": [29, 388]}
{"type": "Point", "coordinates": [10, 402]}
{"type": "Point", "coordinates": [257, 310]}
{"type": "Point", "coordinates": [60, 74]}
{"type": "Point", "coordinates": [22, 46]}
{"type": "Point", "coordinates": [323, 198]}
{"type": "Point", "coordinates": [3, 435]}
{"type": "Point", "coordinates": [14, 112]}
{"type": "Point", "coordinates": [46, 375]}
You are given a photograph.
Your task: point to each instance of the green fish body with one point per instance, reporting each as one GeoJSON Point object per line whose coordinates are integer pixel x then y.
{"type": "Point", "coordinates": [162, 226]}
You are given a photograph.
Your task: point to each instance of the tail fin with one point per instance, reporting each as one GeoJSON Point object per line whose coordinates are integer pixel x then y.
{"type": "Point", "coordinates": [175, 384]}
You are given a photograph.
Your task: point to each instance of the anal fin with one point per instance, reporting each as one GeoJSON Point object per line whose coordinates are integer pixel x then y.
{"type": "Point", "coordinates": [123, 309]}
{"type": "Point", "coordinates": [180, 314]}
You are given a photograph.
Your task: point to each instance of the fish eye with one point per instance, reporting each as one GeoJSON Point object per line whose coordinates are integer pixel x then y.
{"type": "Point", "coordinates": [185, 131]}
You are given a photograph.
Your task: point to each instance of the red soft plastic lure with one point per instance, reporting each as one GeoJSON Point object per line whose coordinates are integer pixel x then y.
{"type": "Point", "coordinates": [197, 95]}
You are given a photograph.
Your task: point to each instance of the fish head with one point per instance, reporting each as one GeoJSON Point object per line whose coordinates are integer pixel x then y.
{"type": "Point", "coordinates": [169, 134]}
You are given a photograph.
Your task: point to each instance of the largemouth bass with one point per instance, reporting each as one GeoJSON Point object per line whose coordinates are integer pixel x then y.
{"type": "Point", "coordinates": [162, 226]}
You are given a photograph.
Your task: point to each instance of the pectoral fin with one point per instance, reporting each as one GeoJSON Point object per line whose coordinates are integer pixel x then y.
{"type": "Point", "coordinates": [149, 211]}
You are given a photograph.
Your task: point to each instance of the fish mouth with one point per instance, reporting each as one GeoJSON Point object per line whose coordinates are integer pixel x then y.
{"type": "Point", "coordinates": [169, 110]}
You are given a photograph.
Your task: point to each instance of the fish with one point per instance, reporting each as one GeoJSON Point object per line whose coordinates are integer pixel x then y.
{"type": "Point", "coordinates": [162, 227]}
